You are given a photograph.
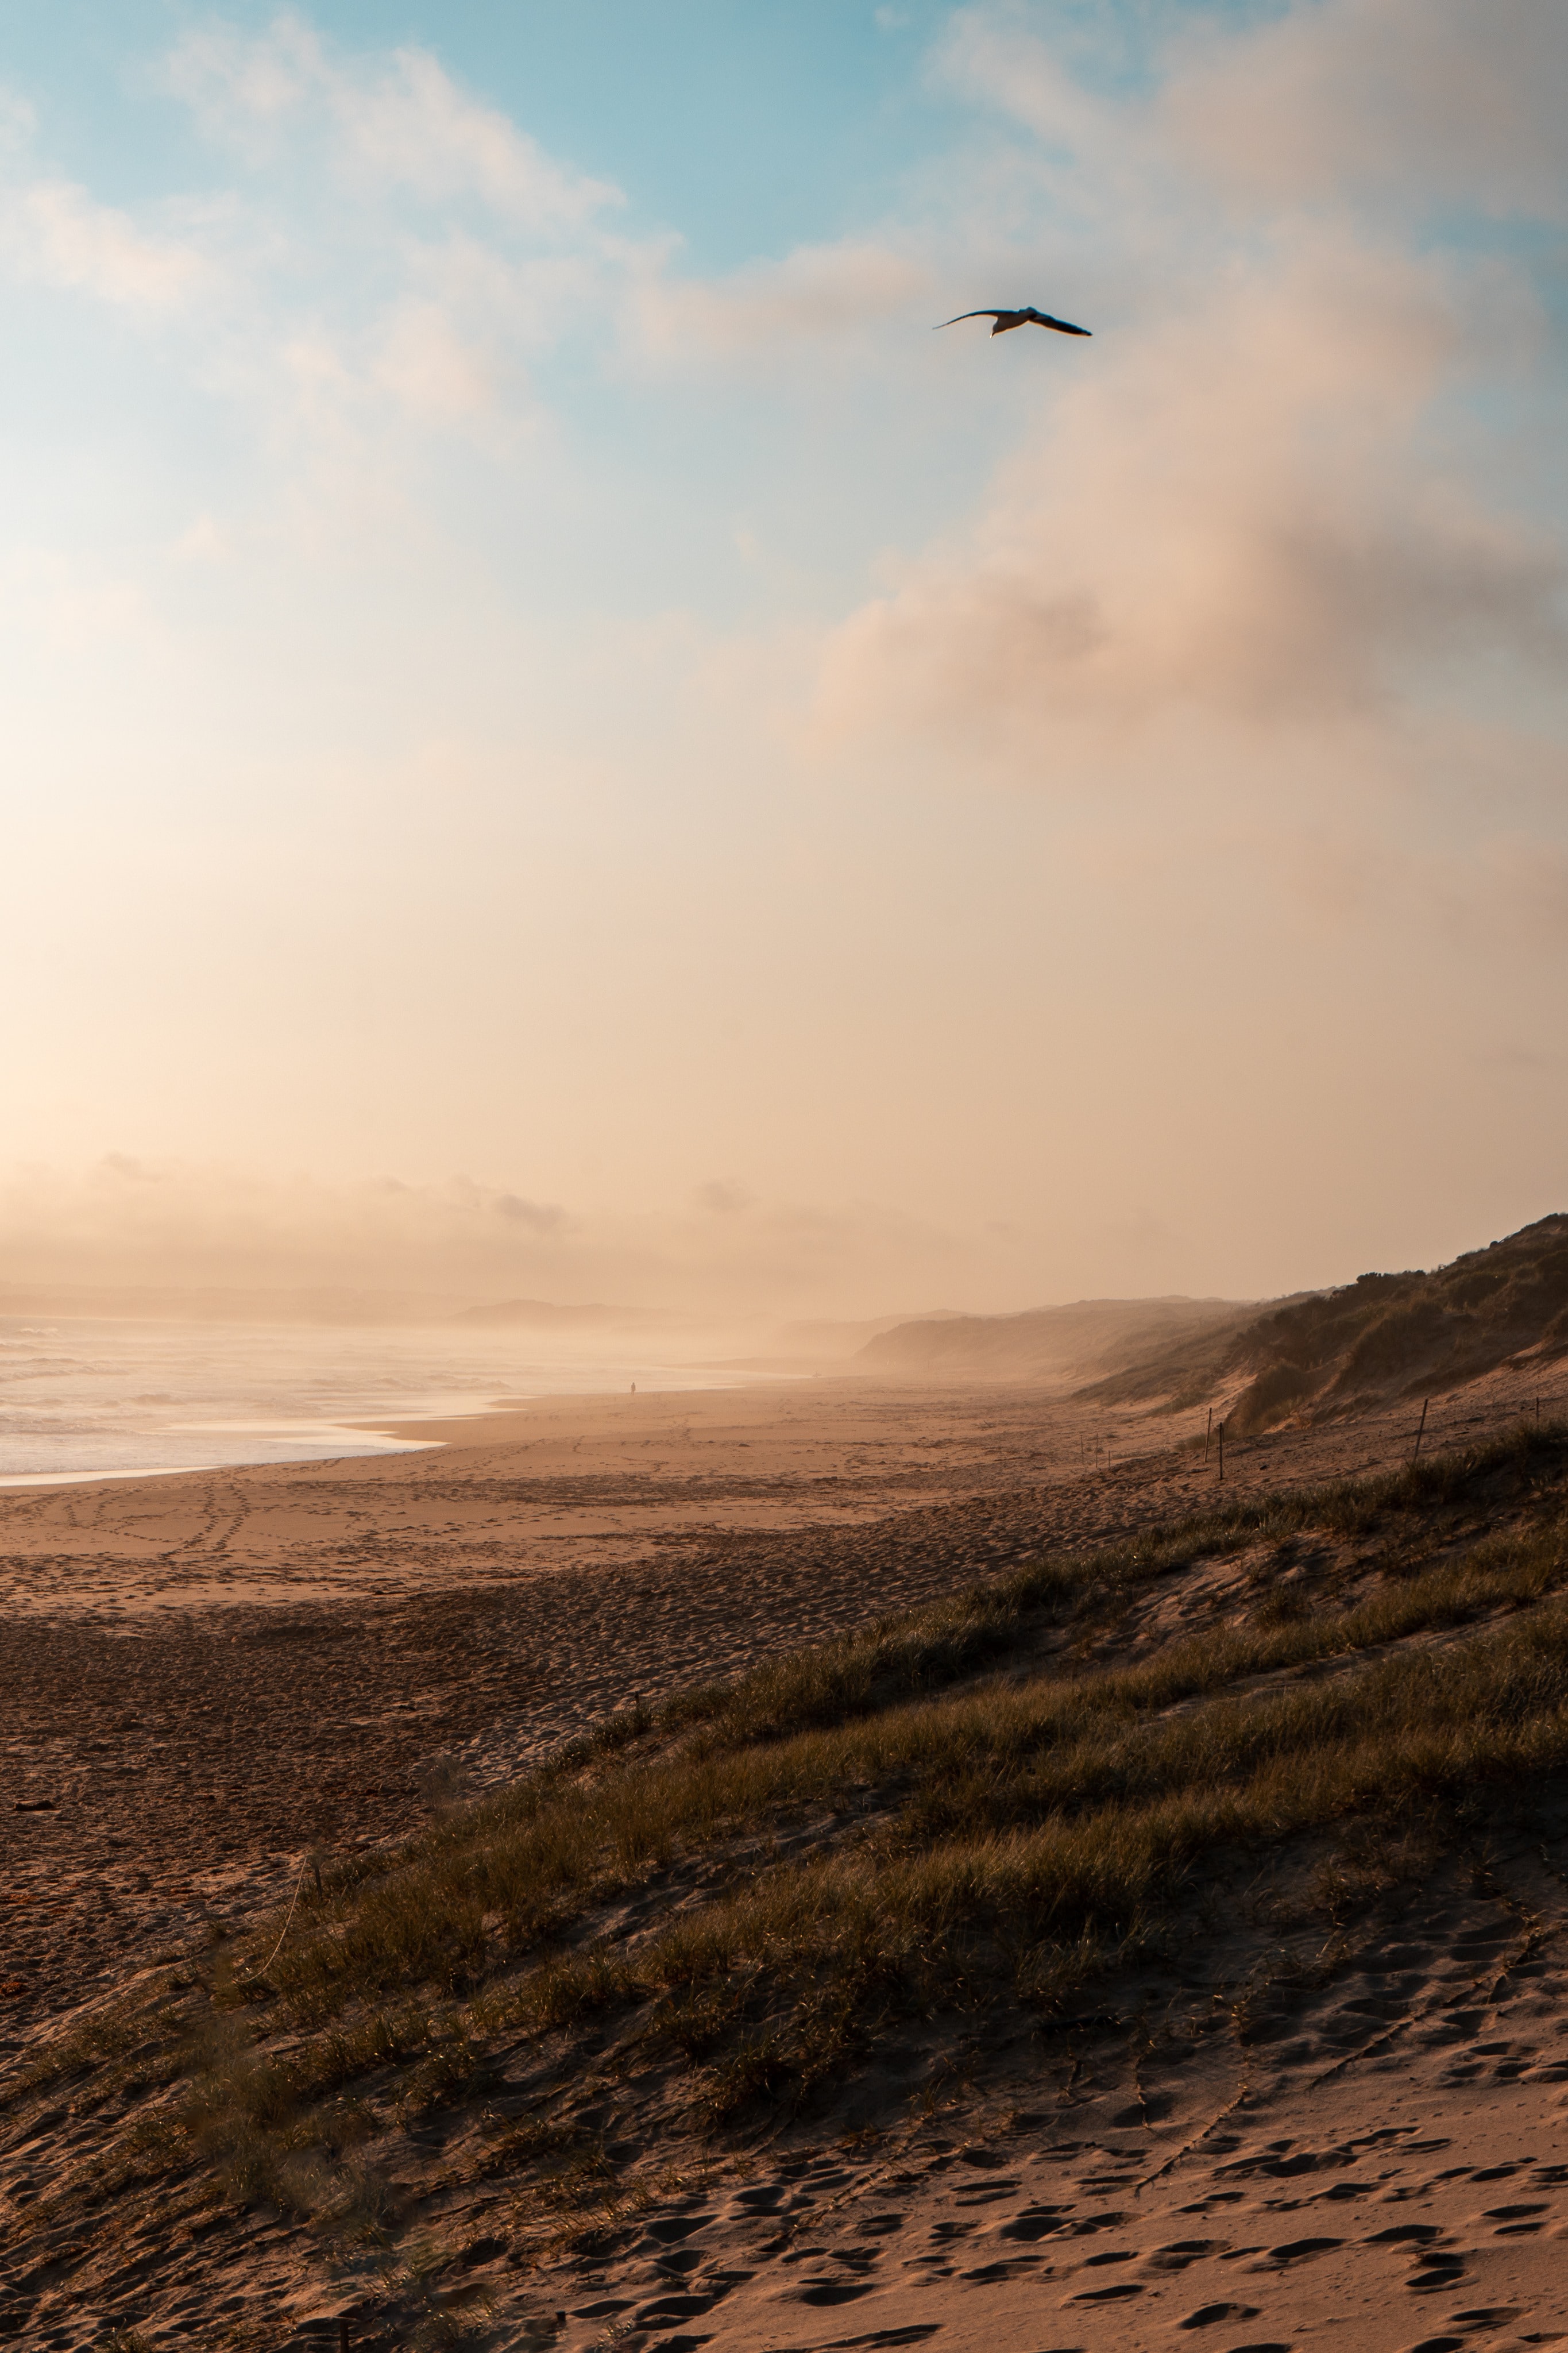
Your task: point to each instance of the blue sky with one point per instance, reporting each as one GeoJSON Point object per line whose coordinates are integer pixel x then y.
{"type": "Point", "coordinates": [750, 128]}
{"type": "Point", "coordinates": [535, 676]}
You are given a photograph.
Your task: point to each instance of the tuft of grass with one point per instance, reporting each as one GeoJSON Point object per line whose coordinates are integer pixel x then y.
{"type": "Point", "coordinates": [129, 2047]}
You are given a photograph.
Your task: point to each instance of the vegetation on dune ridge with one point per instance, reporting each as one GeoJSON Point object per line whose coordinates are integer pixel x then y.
{"type": "Point", "coordinates": [1382, 1336]}
{"type": "Point", "coordinates": [1401, 1335]}
{"type": "Point", "coordinates": [725, 1907]}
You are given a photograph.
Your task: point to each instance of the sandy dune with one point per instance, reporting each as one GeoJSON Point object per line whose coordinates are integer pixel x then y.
{"type": "Point", "coordinates": [205, 1676]}
{"type": "Point", "coordinates": [1380, 2169]}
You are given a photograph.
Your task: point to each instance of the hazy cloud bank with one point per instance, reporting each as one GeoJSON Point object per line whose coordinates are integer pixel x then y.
{"type": "Point", "coordinates": [724, 1254]}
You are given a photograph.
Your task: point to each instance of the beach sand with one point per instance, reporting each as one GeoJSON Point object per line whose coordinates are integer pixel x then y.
{"type": "Point", "coordinates": [205, 1677]}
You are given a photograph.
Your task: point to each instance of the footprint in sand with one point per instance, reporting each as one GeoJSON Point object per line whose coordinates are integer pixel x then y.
{"type": "Point", "coordinates": [1512, 2219]}
{"type": "Point", "coordinates": [1034, 2223]}
{"type": "Point", "coordinates": [675, 2227]}
{"type": "Point", "coordinates": [1296, 2251]}
{"type": "Point", "coordinates": [1434, 2272]}
{"type": "Point", "coordinates": [1208, 2315]}
{"type": "Point", "coordinates": [1177, 2256]}
{"type": "Point", "coordinates": [915, 2333]}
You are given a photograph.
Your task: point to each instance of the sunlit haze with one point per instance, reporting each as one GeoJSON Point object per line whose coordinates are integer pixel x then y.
{"type": "Point", "coordinates": [559, 742]}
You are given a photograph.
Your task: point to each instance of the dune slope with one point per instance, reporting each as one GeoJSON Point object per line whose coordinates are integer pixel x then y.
{"type": "Point", "coordinates": [1391, 1335]}
{"type": "Point", "coordinates": [1080, 1922]}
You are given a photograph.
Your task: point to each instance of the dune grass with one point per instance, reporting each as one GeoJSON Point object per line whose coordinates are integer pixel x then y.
{"type": "Point", "coordinates": [994, 1803]}
{"type": "Point", "coordinates": [833, 1731]}
{"type": "Point", "coordinates": [923, 1650]}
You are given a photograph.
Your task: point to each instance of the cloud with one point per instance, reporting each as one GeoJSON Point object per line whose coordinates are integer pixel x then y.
{"type": "Point", "coordinates": [412, 127]}
{"type": "Point", "coordinates": [724, 1199]}
{"type": "Point", "coordinates": [1411, 102]}
{"type": "Point", "coordinates": [1508, 896]}
{"type": "Point", "coordinates": [539, 1217]}
{"type": "Point", "coordinates": [55, 234]}
{"type": "Point", "coordinates": [1416, 99]}
{"type": "Point", "coordinates": [399, 256]}
{"type": "Point", "coordinates": [429, 369]}
{"type": "Point", "coordinates": [401, 123]}
{"type": "Point", "coordinates": [816, 294]}
{"type": "Point", "coordinates": [994, 55]}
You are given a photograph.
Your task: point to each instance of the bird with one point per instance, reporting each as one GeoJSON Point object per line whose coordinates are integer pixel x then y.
{"type": "Point", "coordinates": [1008, 320]}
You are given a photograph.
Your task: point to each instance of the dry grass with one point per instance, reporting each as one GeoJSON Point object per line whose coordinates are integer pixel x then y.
{"type": "Point", "coordinates": [834, 1731]}
{"type": "Point", "coordinates": [991, 1804]}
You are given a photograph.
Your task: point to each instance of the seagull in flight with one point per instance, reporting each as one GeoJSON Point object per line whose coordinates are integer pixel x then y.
{"type": "Point", "coordinates": [1008, 320]}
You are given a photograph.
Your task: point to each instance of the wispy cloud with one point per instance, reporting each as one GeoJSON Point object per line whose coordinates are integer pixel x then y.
{"type": "Point", "coordinates": [55, 234]}
{"type": "Point", "coordinates": [814, 295]}
{"type": "Point", "coordinates": [392, 122]}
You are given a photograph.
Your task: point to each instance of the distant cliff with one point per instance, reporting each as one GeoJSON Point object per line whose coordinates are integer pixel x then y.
{"type": "Point", "coordinates": [1090, 1337]}
{"type": "Point", "coordinates": [1316, 1354]}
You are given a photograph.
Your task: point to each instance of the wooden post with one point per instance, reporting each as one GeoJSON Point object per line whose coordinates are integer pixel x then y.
{"type": "Point", "coordinates": [1416, 1455]}
{"type": "Point", "coordinates": [1222, 1450]}
{"type": "Point", "coordinates": [1208, 1433]}
{"type": "Point", "coordinates": [344, 2333]}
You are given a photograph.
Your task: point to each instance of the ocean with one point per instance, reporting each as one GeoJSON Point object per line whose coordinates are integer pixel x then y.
{"type": "Point", "coordinates": [88, 1399]}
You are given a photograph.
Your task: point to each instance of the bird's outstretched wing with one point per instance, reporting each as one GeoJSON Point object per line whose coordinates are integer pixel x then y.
{"type": "Point", "coordinates": [1062, 326]}
{"type": "Point", "coordinates": [1004, 321]}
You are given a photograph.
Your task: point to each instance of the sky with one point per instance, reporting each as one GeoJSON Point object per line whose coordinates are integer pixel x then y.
{"type": "Point", "coordinates": [558, 740]}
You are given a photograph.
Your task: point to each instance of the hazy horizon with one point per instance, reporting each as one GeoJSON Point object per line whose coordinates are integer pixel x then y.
{"type": "Point", "coordinates": [561, 743]}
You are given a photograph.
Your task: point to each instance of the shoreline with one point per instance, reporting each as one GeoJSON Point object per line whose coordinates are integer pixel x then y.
{"type": "Point", "coordinates": [1069, 1431]}
{"type": "Point", "coordinates": [398, 1431]}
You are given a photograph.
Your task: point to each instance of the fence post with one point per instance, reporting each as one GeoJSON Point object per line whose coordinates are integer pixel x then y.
{"type": "Point", "coordinates": [1416, 1456]}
